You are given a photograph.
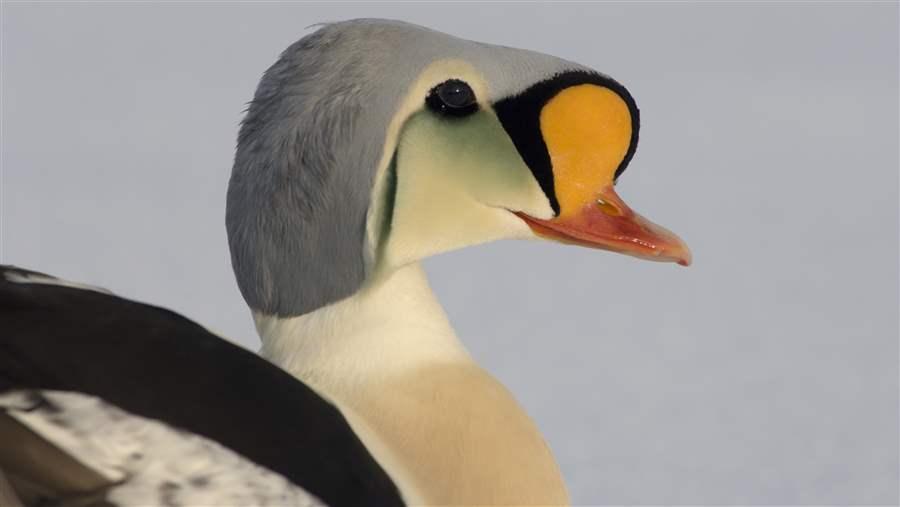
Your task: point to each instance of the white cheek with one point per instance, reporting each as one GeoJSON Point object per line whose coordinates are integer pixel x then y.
{"type": "Point", "coordinates": [446, 200]}
{"type": "Point", "coordinates": [453, 188]}
{"type": "Point", "coordinates": [435, 73]}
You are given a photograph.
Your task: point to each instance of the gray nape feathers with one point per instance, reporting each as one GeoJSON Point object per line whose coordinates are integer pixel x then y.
{"type": "Point", "coordinates": [309, 148]}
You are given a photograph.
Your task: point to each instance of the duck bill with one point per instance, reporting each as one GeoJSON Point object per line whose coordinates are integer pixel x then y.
{"type": "Point", "coordinates": [608, 223]}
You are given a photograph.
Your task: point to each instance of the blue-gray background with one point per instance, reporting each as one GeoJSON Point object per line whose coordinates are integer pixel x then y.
{"type": "Point", "coordinates": [766, 373]}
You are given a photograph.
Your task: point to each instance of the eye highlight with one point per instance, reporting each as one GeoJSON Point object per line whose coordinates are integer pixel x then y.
{"type": "Point", "coordinates": [453, 97]}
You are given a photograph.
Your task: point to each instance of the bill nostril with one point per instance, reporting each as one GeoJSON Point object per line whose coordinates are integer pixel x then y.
{"type": "Point", "coordinates": [608, 208]}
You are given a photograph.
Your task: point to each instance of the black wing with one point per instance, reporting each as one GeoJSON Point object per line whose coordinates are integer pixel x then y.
{"type": "Point", "coordinates": [156, 364]}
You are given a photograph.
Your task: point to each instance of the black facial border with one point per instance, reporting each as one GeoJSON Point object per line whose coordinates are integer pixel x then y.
{"type": "Point", "coordinates": [520, 115]}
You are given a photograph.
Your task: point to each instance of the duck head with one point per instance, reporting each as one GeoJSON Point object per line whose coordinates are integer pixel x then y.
{"type": "Point", "coordinates": [372, 144]}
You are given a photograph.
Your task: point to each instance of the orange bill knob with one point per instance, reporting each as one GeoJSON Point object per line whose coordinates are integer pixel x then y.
{"type": "Point", "coordinates": [588, 130]}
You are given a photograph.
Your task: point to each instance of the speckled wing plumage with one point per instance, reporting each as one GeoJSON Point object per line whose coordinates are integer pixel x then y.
{"type": "Point", "coordinates": [134, 460]}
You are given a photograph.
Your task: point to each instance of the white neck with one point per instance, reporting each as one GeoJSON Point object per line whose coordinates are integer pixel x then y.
{"type": "Point", "coordinates": [392, 324]}
{"type": "Point", "coordinates": [445, 430]}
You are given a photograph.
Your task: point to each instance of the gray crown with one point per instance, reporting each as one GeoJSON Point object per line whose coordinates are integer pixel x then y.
{"type": "Point", "coordinates": [310, 143]}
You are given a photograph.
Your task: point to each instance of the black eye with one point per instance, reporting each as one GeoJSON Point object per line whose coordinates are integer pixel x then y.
{"type": "Point", "coordinates": [452, 98]}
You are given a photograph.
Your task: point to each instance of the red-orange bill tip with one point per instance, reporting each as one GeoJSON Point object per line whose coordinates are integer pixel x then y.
{"type": "Point", "coordinates": [609, 224]}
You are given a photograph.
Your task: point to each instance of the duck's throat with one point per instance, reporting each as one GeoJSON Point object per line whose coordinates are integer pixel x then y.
{"type": "Point", "coordinates": [391, 325]}
{"type": "Point", "coordinates": [445, 430]}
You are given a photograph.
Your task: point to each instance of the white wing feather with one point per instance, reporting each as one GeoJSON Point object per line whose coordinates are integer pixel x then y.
{"type": "Point", "coordinates": [152, 464]}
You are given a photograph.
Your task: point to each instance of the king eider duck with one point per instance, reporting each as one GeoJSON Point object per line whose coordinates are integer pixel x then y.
{"type": "Point", "coordinates": [368, 146]}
